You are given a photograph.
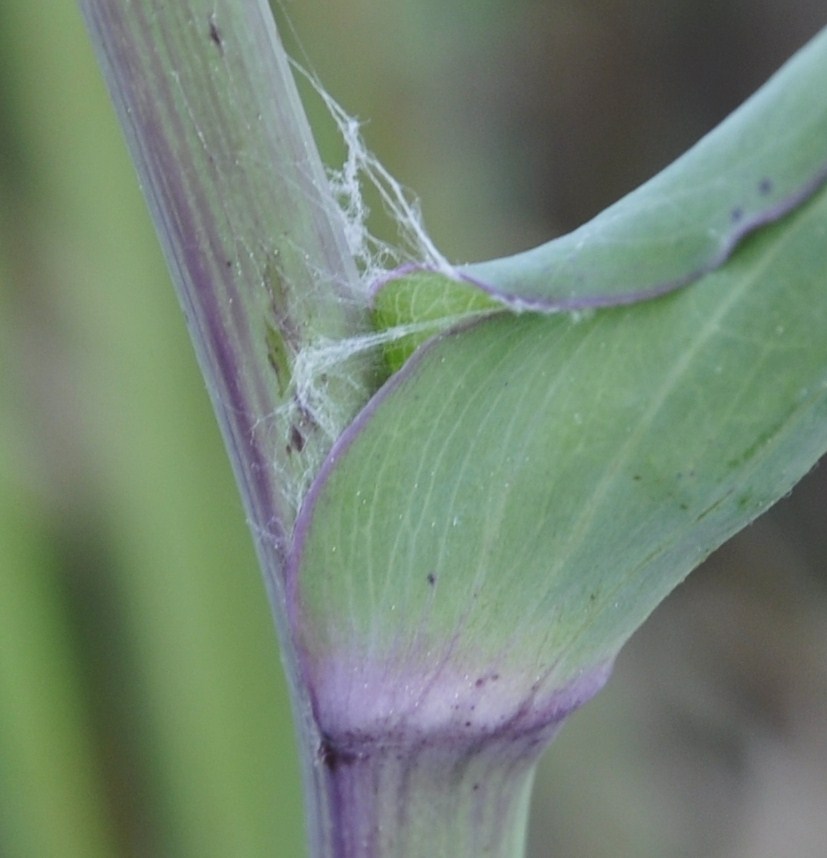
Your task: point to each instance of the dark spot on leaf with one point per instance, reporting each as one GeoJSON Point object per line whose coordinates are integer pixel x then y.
{"type": "Point", "coordinates": [736, 214]}
{"type": "Point", "coordinates": [215, 35]}
{"type": "Point", "coordinates": [476, 787]}
{"type": "Point", "coordinates": [278, 357]}
{"type": "Point", "coordinates": [636, 477]}
{"type": "Point", "coordinates": [480, 682]}
{"type": "Point", "coordinates": [297, 442]}
{"type": "Point", "coordinates": [334, 758]}
{"type": "Point", "coordinates": [467, 723]}
{"type": "Point", "coordinates": [765, 187]}
{"type": "Point", "coordinates": [431, 578]}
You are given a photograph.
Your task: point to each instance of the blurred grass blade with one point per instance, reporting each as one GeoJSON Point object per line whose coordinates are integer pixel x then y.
{"type": "Point", "coordinates": [52, 797]}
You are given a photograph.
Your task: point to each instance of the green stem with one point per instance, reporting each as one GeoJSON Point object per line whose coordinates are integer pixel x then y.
{"type": "Point", "coordinates": [256, 248]}
{"type": "Point", "coordinates": [253, 239]}
{"type": "Point", "coordinates": [427, 799]}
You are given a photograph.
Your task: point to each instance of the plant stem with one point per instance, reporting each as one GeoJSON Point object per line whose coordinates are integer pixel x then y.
{"type": "Point", "coordinates": [428, 799]}
{"type": "Point", "coordinates": [242, 207]}
{"type": "Point", "coordinates": [255, 245]}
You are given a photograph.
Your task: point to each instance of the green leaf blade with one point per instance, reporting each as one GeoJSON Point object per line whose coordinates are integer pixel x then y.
{"type": "Point", "coordinates": [525, 491]}
{"type": "Point", "coordinates": [758, 165]}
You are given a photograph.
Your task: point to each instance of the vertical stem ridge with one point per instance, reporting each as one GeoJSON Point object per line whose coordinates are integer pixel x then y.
{"type": "Point", "coordinates": [255, 245]}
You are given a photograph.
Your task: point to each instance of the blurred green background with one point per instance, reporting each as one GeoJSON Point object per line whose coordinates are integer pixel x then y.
{"type": "Point", "coordinates": [142, 708]}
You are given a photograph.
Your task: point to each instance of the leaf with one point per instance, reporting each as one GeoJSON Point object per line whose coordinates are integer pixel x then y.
{"type": "Point", "coordinates": [423, 297]}
{"type": "Point", "coordinates": [520, 496]}
{"type": "Point", "coordinates": [516, 500]}
{"type": "Point", "coordinates": [758, 165]}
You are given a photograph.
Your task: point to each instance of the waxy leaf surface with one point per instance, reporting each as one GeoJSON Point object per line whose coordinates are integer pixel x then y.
{"type": "Point", "coordinates": [760, 163]}
{"type": "Point", "coordinates": [516, 499]}
{"type": "Point", "coordinates": [757, 165]}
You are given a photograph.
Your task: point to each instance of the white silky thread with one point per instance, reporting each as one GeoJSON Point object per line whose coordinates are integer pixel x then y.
{"type": "Point", "coordinates": [360, 166]}
{"type": "Point", "coordinates": [324, 367]}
